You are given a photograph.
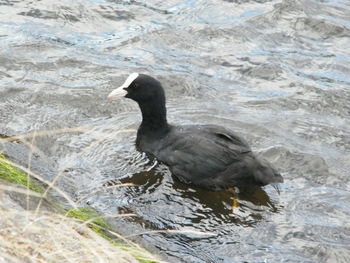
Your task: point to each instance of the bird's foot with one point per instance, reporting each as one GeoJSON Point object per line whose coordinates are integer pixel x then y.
{"type": "Point", "coordinates": [235, 203]}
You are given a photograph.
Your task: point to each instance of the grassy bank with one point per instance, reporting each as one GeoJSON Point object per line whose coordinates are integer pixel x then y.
{"type": "Point", "coordinates": [40, 235]}
{"type": "Point", "coordinates": [14, 175]}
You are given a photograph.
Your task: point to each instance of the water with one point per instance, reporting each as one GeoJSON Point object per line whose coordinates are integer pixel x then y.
{"type": "Point", "coordinates": [276, 72]}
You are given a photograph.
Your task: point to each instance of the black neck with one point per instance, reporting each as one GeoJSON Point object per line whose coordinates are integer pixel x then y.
{"type": "Point", "coordinates": [153, 118]}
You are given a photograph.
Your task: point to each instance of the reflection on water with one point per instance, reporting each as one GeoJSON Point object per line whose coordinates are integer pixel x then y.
{"type": "Point", "coordinates": [275, 71]}
{"type": "Point", "coordinates": [212, 203]}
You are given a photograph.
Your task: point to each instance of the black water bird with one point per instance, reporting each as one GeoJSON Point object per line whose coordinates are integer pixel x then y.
{"type": "Point", "coordinates": [207, 156]}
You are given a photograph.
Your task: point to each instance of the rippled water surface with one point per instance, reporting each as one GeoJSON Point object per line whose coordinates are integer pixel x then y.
{"type": "Point", "coordinates": [276, 72]}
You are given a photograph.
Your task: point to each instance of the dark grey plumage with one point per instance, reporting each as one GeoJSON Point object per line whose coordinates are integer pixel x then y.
{"type": "Point", "coordinates": [207, 156]}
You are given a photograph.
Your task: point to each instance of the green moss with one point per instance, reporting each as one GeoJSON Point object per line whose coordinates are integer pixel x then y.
{"type": "Point", "coordinates": [99, 224]}
{"type": "Point", "coordinates": [14, 175]}
{"type": "Point", "coordinates": [87, 213]}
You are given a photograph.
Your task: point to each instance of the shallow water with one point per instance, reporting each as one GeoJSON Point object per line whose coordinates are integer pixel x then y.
{"type": "Point", "coordinates": [276, 72]}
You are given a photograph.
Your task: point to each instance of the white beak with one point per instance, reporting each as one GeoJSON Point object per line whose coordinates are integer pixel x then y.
{"type": "Point", "coordinates": [121, 92]}
{"type": "Point", "coordinates": [118, 93]}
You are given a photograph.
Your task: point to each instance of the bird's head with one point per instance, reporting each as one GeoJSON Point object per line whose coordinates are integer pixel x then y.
{"type": "Point", "coordinates": [140, 88]}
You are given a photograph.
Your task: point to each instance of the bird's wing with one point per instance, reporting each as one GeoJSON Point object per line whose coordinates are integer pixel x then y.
{"type": "Point", "coordinates": [201, 151]}
{"type": "Point", "coordinates": [227, 137]}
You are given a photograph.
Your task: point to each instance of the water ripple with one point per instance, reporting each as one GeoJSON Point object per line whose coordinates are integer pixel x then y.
{"type": "Point", "coordinates": [275, 71]}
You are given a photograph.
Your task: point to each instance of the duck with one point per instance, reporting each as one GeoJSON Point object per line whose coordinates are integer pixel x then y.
{"type": "Point", "coordinates": [207, 156]}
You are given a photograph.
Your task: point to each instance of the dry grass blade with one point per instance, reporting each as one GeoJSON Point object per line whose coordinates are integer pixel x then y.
{"type": "Point", "coordinates": [103, 188]}
{"type": "Point", "coordinates": [45, 133]}
{"type": "Point", "coordinates": [109, 135]}
{"type": "Point", "coordinates": [91, 220]}
{"type": "Point", "coordinates": [20, 190]}
{"type": "Point", "coordinates": [173, 231]}
{"type": "Point", "coordinates": [29, 168]}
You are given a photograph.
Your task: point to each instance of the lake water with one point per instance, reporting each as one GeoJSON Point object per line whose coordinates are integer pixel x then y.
{"type": "Point", "coordinates": [276, 72]}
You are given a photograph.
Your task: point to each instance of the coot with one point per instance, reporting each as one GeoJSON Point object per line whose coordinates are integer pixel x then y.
{"type": "Point", "coordinates": [207, 156]}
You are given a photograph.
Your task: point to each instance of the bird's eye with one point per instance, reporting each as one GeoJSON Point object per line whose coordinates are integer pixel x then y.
{"type": "Point", "coordinates": [133, 86]}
